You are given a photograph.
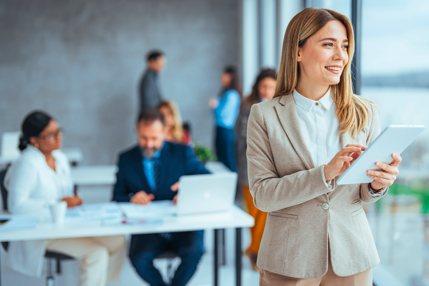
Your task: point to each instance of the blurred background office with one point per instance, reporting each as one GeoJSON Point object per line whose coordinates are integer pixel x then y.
{"type": "Point", "coordinates": [83, 60]}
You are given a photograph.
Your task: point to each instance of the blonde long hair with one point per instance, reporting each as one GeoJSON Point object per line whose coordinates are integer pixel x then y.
{"type": "Point", "coordinates": [177, 129]}
{"type": "Point", "coordinates": [352, 110]}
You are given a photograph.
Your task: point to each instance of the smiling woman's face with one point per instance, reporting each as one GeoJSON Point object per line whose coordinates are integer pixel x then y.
{"type": "Point", "coordinates": [324, 55]}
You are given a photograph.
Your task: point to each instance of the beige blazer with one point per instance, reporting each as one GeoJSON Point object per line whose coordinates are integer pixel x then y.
{"type": "Point", "coordinates": [285, 183]}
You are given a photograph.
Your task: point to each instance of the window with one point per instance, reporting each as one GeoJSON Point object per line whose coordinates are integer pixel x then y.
{"type": "Point", "coordinates": [395, 74]}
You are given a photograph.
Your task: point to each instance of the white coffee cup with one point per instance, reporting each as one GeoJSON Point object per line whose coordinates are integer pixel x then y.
{"type": "Point", "coordinates": [58, 211]}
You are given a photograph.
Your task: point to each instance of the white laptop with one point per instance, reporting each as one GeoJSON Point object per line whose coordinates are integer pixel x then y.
{"type": "Point", "coordinates": [206, 193]}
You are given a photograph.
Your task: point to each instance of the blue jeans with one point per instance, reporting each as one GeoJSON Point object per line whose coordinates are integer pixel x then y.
{"type": "Point", "coordinates": [225, 147]}
{"type": "Point", "coordinates": [144, 248]}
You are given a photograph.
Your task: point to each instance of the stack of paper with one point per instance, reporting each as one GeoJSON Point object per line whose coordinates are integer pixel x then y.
{"type": "Point", "coordinates": [157, 209]}
{"type": "Point", "coordinates": [92, 212]}
{"type": "Point", "coordinates": [19, 222]}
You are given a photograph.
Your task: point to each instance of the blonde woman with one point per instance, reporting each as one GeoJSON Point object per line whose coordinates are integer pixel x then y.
{"type": "Point", "coordinates": [174, 131]}
{"type": "Point", "coordinates": [298, 144]}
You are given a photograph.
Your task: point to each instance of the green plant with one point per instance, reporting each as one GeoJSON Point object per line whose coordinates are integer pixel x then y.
{"type": "Point", "coordinates": [203, 153]}
{"type": "Point", "coordinates": [421, 192]}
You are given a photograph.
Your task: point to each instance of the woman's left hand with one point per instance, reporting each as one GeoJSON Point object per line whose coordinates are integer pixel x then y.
{"type": "Point", "coordinates": [386, 177]}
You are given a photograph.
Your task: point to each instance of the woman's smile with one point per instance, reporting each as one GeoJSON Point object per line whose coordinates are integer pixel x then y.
{"type": "Point", "coordinates": [334, 69]}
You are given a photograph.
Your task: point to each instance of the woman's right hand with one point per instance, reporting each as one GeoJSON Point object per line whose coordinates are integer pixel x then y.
{"type": "Point", "coordinates": [342, 160]}
{"type": "Point", "coordinates": [213, 103]}
{"type": "Point", "coordinates": [72, 201]}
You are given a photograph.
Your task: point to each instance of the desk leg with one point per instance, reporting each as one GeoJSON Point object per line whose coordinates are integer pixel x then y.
{"type": "Point", "coordinates": [215, 258]}
{"type": "Point", "coordinates": [223, 246]}
{"type": "Point", "coordinates": [238, 256]}
{"type": "Point", "coordinates": [0, 262]}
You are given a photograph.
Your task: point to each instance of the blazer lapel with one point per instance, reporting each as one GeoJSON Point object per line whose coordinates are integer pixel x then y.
{"type": "Point", "coordinates": [346, 139]}
{"type": "Point", "coordinates": [288, 117]}
{"type": "Point", "coordinates": [166, 159]}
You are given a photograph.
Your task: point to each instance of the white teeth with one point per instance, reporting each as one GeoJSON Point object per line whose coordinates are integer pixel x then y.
{"type": "Point", "coordinates": [333, 68]}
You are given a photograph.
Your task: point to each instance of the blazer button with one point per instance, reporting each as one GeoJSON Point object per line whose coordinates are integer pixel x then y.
{"type": "Point", "coordinates": [325, 206]}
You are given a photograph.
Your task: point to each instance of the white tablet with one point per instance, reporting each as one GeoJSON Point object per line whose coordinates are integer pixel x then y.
{"type": "Point", "coordinates": [393, 139]}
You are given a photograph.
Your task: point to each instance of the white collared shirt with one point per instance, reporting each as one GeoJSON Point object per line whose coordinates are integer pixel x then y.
{"type": "Point", "coordinates": [32, 184]}
{"type": "Point", "coordinates": [319, 127]}
{"type": "Point", "coordinates": [321, 130]}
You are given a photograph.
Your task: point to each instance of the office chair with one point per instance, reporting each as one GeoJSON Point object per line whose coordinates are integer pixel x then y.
{"type": "Point", "coordinates": [50, 255]}
{"type": "Point", "coordinates": [169, 255]}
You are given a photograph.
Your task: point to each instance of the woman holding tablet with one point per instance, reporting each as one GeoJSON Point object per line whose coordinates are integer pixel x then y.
{"type": "Point", "coordinates": [299, 143]}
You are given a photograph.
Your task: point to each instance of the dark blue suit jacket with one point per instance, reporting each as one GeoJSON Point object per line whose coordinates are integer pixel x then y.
{"type": "Point", "coordinates": [176, 160]}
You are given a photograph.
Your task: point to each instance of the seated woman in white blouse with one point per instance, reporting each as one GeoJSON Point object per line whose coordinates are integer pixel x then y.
{"type": "Point", "coordinates": [39, 177]}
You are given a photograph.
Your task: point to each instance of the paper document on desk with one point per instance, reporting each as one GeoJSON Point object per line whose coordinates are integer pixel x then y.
{"type": "Point", "coordinates": [155, 209]}
{"type": "Point", "coordinates": [91, 212]}
{"type": "Point", "coordinates": [19, 222]}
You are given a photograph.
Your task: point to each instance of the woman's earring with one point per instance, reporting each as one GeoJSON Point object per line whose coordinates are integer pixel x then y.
{"type": "Point", "coordinates": [36, 145]}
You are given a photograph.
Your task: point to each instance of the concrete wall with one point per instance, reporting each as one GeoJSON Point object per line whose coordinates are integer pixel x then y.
{"type": "Point", "coordinates": [81, 61]}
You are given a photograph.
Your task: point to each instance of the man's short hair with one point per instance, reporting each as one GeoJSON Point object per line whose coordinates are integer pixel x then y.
{"type": "Point", "coordinates": [153, 55]}
{"type": "Point", "coordinates": [150, 116]}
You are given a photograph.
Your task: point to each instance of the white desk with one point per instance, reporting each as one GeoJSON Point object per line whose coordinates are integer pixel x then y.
{"type": "Point", "coordinates": [217, 167]}
{"type": "Point", "coordinates": [106, 175]}
{"type": "Point", "coordinates": [236, 218]}
{"type": "Point", "coordinates": [5, 159]}
{"type": "Point", "coordinates": [94, 175]}
{"type": "Point", "coordinates": [74, 155]}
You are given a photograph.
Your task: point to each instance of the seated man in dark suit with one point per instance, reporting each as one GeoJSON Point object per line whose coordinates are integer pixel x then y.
{"type": "Point", "coordinates": [150, 172]}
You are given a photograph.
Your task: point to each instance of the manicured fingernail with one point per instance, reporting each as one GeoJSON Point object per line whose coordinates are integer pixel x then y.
{"type": "Point", "coordinates": [377, 164]}
{"type": "Point", "coordinates": [370, 172]}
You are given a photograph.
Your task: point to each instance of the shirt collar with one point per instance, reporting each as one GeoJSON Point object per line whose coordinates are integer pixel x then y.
{"type": "Point", "coordinates": [156, 155]}
{"type": "Point", "coordinates": [36, 153]}
{"type": "Point", "coordinates": [307, 104]}
{"type": "Point", "coordinates": [153, 73]}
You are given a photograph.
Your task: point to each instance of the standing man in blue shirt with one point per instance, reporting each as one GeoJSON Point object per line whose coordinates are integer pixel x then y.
{"type": "Point", "coordinates": [149, 92]}
{"type": "Point", "coordinates": [149, 172]}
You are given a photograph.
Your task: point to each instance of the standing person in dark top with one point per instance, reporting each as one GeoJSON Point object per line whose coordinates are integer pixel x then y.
{"type": "Point", "coordinates": [263, 90]}
{"type": "Point", "coordinates": [149, 92]}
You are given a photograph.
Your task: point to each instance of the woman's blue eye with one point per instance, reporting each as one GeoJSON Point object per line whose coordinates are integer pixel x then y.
{"type": "Point", "coordinates": [346, 47]}
{"type": "Point", "coordinates": [329, 44]}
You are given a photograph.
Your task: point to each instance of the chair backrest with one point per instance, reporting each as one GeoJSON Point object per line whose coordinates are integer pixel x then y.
{"type": "Point", "coordinates": [5, 244]}
{"type": "Point", "coordinates": [3, 188]}
{"type": "Point", "coordinates": [9, 144]}
{"type": "Point", "coordinates": [187, 126]}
